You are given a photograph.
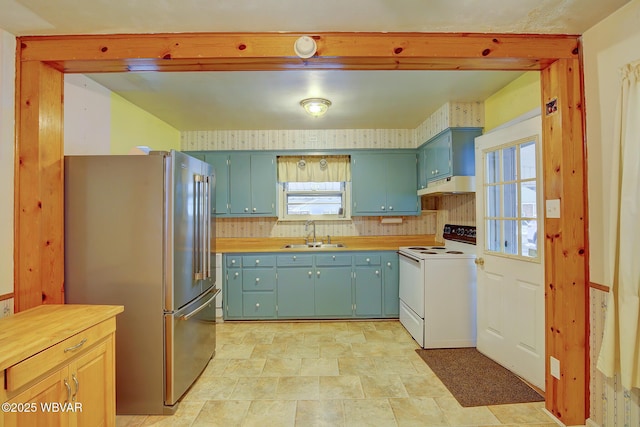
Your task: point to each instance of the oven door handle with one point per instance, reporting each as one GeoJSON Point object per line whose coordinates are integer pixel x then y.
{"type": "Point", "coordinates": [408, 257]}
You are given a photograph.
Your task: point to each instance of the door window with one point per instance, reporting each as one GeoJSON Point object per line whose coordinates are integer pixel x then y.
{"type": "Point", "coordinates": [511, 199]}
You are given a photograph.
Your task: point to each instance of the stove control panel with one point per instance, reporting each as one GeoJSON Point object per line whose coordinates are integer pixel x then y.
{"type": "Point", "coordinates": [460, 233]}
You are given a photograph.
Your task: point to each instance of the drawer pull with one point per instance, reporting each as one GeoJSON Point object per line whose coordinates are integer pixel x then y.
{"type": "Point", "coordinates": [257, 261]}
{"type": "Point", "coordinates": [66, 384]}
{"type": "Point", "coordinates": [368, 260]}
{"type": "Point", "coordinates": [294, 257]}
{"type": "Point", "coordinates": [257, 305]}
{"type": "Point", "coordinates": [257, 279]}
{"type": "Point", "coordinates": [233, 261]}
{"type": "Point", "coordinates": [75, 380]}
{"type": "Point", "coordinates": [237, 274]}
{"type": "Point", "coordinates": [310, 273]}
{"type": "Point", "coordinates": [75, 347]}
{"type": "Point", "coordinates": [377, 273]}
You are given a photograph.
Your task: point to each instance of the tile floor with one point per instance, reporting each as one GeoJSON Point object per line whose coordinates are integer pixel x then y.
{"type": "Point", "coordinates": [326, 374]}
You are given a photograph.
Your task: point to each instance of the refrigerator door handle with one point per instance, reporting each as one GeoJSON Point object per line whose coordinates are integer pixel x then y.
{"type": "Point", "coordinates": [207, 224]}
{"type": "Point", "coordinates": [202, 307]}
{"type": "Point", "coordinates": [198, 255]}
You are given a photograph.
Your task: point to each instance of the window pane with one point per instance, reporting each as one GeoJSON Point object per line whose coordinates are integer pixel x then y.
{"type": "Point", "coordinates": [493, 201]}
{"type": "Point", "coordinates": [493, 235]}
{"type": "Point", "coordinates": [530, 238]}
{"type": "Point", "coordinates": [511, 237]}
{"type": "Point", "coordinates": [528, 160]}
{"type": "Point", "coordinates": [492, 173]}
{"type": "Point", "coordinates": [509, 164]}
{"type": "Point", "coordinates": [510, 201]}
{"type": "Point", "coordinates": [528, 201]}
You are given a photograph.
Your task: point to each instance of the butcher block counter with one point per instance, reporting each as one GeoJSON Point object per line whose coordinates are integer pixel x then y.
{"type": "Point", "coordinates": [55, 361]}
{"type": "Point", "coordinates": [352, 243]}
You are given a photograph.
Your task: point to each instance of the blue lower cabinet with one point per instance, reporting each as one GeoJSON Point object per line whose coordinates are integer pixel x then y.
{"type": "Point", "coordinates": [333, 292]}
{"type": "Point", "coordinates": [391, 280]}
{"type": "Point", "coordinates": [337, 285]}
{"type": "Point", "coordinates": [233, 293]}
{"type": "Point", "coordinates": [368, 291]}
{"type": "Point", "coordinates": [296, 292]}
{"type": "Point", "coordinates": [259, 305]}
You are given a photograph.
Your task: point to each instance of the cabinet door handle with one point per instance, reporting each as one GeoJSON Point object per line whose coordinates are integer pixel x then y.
{"type": "Point", "coordinates": [75, 347]}
{"type": "Point", "coordinates": [310, 273]}
{"type": "Point", "coordinates": [388, 264]}
{"type": "Point", "coordinates": [257, 261]}
{"type": "Point", "coordinates": [257, 279]}
{"type": "Point", "coordinates": [390, 208]}
{"type": "Point", "coordinates": [246, 209]}
{"type": "Point", "coordinates": [257, 305]}
{"type": "Point", "coordinates": [294, 257]}
{"type": "Point", "coordinates": [368, 260]}
{"type": "Point", "coordinates": [377, 272]}
{"type": "Point", "coordinates": [236, 274]}
{"type": "Point", "coordinates": [233, 261]}
{"type": "Point", "coordinates": [254, 209]}
{"type": "Point", "coordinates": [75, 380]}
{"type": "Point", "coordinates": [318, 273]}
{"type": "Point", "coordinates": [382, 207]}
{"type": "Point", "coordinates": [66, 384]}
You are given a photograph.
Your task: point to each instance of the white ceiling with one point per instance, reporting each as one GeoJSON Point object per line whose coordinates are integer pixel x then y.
{"type": "Point", "coordinates": [269, 100]}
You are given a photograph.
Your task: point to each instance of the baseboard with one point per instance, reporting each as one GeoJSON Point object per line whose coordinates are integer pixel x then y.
{"type": "Point", "coordinates": [591, 423]}
{"type": "Point", "coordinates": [560, 423]}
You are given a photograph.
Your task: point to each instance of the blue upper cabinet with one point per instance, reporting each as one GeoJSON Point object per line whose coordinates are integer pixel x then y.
{"type": "Point", "coordinates": [450, 153]}
{"type": "Point", "coordinates": [384, 184]}
{"type": "Point", "coordinates": [245, 182]}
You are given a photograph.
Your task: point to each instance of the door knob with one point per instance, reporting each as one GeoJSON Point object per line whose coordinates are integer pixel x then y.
{"type": "Point", "coordinates": [479, 261]}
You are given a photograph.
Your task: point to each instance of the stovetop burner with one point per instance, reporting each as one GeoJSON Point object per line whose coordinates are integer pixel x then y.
{"type": "Point", "coordinates": [438, 247]}
{"type": "Point", "coordinates": [454, 252]}
{"type": "Point", "coordinates": [418, 248]}
{"type": "Point", "coordinates": [429, 252]}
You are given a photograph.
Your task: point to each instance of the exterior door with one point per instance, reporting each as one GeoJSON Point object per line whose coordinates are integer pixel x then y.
{"type": "Point", "coordinates": [510, 270]}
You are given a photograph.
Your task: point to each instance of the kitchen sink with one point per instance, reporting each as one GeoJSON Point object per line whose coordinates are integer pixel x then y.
{"type": "Point", "coordinates": [316, 245]}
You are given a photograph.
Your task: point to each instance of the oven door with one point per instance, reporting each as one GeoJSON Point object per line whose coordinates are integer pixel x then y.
{"type": "Point", "coordinates": [412, 282]}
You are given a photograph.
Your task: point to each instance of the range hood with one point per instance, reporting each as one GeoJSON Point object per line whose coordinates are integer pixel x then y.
{"type": "Point", "coordinates": [451, 185]}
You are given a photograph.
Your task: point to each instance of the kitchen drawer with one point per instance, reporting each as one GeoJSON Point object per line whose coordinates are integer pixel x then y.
{"type": "Point", "coordinates": [234, 261]}
{"type": "Point", "coordinates": [295, 260]}
{"type": "Point", "coordinates": [258, 261]}
{"type": "Point", "coordinates": [258, 279]}
{"type": "Point", "coordinates": [259, 304]}
{"type": "Point", "coordinates": [23, 372]}
{"type": "Point", "coordinates": [367, 259]}
{"type": "Point", "coordinates": [333, 260]}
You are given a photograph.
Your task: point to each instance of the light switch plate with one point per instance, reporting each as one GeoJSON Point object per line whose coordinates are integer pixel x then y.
{"type": "Point", "coordinates": [553, 208]}
{"type": "Point", "coordinates": [554, 367]}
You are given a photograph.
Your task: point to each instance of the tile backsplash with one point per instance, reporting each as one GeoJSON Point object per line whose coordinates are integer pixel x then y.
{"type": "Point", "coordinates": [357, 226]}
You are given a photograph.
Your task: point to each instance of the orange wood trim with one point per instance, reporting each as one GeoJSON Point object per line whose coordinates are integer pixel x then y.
{"type": "Point", "coordinates": [39, 256]}
{"type": "Point", "coordinates": [566, 268]}
{"type": "Point", "coordinates": [271, 51]}
{"type": "Point", "coordinates": [6, 297]}
{"type": "Point", "coordinates": [39, 199]}
{"type": "Point", "coordinates": [599, 287]}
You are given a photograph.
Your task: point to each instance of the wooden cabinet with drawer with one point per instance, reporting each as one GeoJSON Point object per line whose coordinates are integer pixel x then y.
{"type": "Point", "coordinates": [59, 366]}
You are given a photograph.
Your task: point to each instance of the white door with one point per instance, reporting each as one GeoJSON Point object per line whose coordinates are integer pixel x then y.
{"type": "Point", "coordinates": [509, 254]}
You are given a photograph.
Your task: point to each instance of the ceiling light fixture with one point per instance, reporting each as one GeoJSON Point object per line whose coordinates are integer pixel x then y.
{"type": "Point", "coordinates": [315, 106]}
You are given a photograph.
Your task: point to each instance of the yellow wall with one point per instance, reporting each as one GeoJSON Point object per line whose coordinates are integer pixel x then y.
{"type": "Point", "coordinates": [132, 126]}
{"type": "Point", "coordinates": [518, 97]}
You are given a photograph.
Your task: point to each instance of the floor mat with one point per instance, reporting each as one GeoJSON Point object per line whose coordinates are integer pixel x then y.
{"type": "Point", "coordinates": [476, 380]}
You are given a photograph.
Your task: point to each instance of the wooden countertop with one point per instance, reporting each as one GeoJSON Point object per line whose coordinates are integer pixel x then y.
{"type": "Point", "coordinates": [353, 243]}
{"type": "Point", "coordinates": [31, 331]}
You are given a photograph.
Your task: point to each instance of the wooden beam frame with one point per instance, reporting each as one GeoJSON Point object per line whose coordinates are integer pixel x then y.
{"type": "Point", "coordinates": [42, 62]}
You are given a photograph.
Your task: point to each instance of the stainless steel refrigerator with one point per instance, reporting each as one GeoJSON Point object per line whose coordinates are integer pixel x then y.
{"type": "Point", "coordinates": [139, 232]}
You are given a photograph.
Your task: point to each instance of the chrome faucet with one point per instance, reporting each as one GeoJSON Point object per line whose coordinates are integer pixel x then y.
{"type": "Point", "coordinates": [306, 228]}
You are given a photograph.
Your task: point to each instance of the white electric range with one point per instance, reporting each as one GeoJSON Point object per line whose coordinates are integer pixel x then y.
{"type": "Point", "coordinates": [438, 290]}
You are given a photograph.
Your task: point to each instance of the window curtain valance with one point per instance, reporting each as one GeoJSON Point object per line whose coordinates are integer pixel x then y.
{"type": "Point", "coordinates": [314, 168]}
